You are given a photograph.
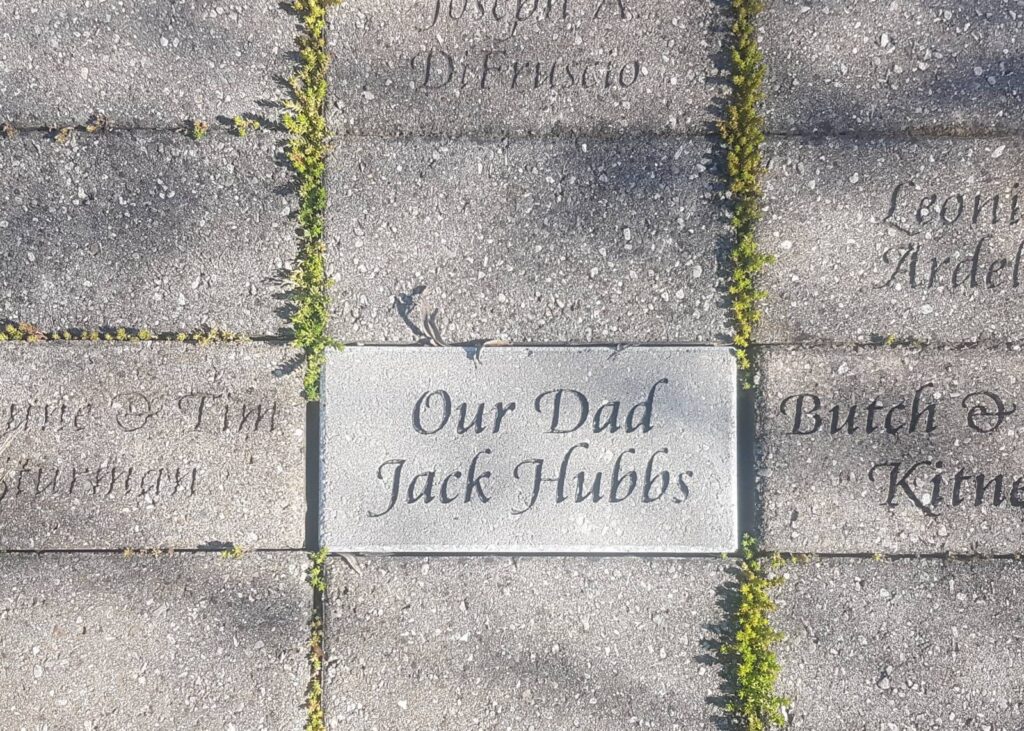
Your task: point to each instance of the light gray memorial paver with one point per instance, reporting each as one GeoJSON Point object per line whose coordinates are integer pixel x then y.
{"type": "Point", "coordinates": [529, 450]}
{"type": "Point", "coordinates": [450, 67]}
{"type": "Point", "coordinates": [135, 228]}
{"type": "Point", "coordinates": [906, 644]}
{"type": "Point", "coordinates": [530, 643]}
{"type": "Point", "coordinates": [905, 239]}
{"type": "Point", "coordinates": [96, 641]}
{"type": "Point", "coordinates": [531, 241]}
{"type": "Point", "coordinates": [145, 63]}
{"type": "Point", "coordinates": [913, 65]}
{"type": "Point", "coordinates": [891, 450]}
{"type": "Point", "coordinates": [110, 445]}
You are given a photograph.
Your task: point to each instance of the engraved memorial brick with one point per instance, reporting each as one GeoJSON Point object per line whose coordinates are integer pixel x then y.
{"type": "Point", "coordinates": [145, 229]}
{"type": "Point", "coordinates": [890, 450]}
{"type": "Point", "coordinates": [880, 240]}
{"type": "Point", "coordinates": [529, 450]}
{"type": "Point", "coordinates": [928, 66]}
{"type": "Point", "coordinates": [900, 644]}
{"type": "Point", "coordinates": [111, 445]}
{"type": "Point", "coordinates": [500, 67]}
{"type": "Point", "coordinates": [528, 241]}
{"type": "Point", "coordinates": [184, 641]}
{"type": "Point", "coordinates": [145, 63]}
{"type": "Point", "coordinates": [542, 643]}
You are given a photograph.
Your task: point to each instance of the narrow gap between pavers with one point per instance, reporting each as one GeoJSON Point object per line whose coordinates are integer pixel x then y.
{"type": "Point", "coordinates": [312, 542]}
{"type": "Point", "coordinates": [902, 136]}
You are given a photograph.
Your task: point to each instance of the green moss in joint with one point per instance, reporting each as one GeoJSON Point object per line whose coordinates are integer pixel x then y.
{"type": "Point", "coordinates": [753, 666]}
{"type": "Point", "coordinates": [305, 120]}
{"type": "Point", "coordinates": [743, 133]}
{"type": "Point", "coordinates": [317, 579]}
{"type": "Point", "coordinates": [28, 333]}
{"type": "Point", "coordinates": [316, 576]}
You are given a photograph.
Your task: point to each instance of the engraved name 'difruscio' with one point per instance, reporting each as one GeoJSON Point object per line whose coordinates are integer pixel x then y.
{"type": "Point", "coordinates": [437, 68]}
{"type": "Point", "coordinates": [641, 478]}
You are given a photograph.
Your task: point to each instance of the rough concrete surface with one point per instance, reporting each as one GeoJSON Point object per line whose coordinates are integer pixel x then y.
{"type": "Point", "coordinates": [918, 240]}
{"type": "Point", "coordinates": [529, 450]}
{"type": "Point", "coordinates": [144, 63]}
{"type": "Point", "coordinates": [448, 67]}
{"type": "Point", "coordinates": [908, 65]}
{"type": "Point", "coordinates": [186, 641]}
{"type": "Point", "coordinates": [879, 645]}
{"type": "Point", "coordinates": [891, 450]}
{"type": "Point", "coordinates": [106, 445]}
{"type": "Point", "coordinates": [148, 230]}
{"type": "Point", "coordinates": [529, 241]}
{"type": "Point", "coordinates": [545, 644]}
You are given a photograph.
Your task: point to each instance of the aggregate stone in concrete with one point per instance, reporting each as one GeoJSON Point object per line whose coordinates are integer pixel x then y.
{"type": "Point", "coordinates": [894, 239]}
{"type": "Point", "coordinates": [922, 644]}
{"type": "Point", "coordinates": [890, 450]}
{"type": "Point", "coordinates": [450, 67]}
{"type": "Point", "coordinates": [108, 445]}
{"type": "Point", "coordinates": [149, 63]}
{"type": "Point", "coordinates": [185, 641]}
{"type": "Point", "coordinates": [145, 229]}
{"type": "Point", "coordinates": [541, 643]}
{"type": "Point", "coordinates": [911, 65]}
{"type": "Point", "coordinates": [529, 450]}
{"type": "Point", "coordinates": [530, 241]}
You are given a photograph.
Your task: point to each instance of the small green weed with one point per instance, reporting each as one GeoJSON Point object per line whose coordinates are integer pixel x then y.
{"type": "Point", "coordinates": [64, 135]}
{"type": "Point", "coordinates": [235, 551]}
{"type": "Point", "coordinates": [316, 575]}
{"type": "Point", "coordinates": [244, 126]}
{"type": "Point", "coordinates": [753, 665]}
{"type": "Point", "coordinates": [9, 130]}
{"type": "Point", "coordinates": [198, 129]}
{"type": "Point", "coordinates": [743, 133]}
{"type": "Point", "coordinates": [99, 123]}
{"type": "Point", "coordinates": [306, 122]}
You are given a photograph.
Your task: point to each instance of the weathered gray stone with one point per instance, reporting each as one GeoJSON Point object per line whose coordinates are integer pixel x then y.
{"type": "Point", "coordinates": [923, 65]}
{"type": "Point", "coordinates": [950, 478]}
{"type": "Point", "coordinates": [860, 258]}
{"type": "Point", "coordinates": [95, 641]}
{"type": "Point", "coordinates": [531, 241]}
{"type": "Point", "coordinates": [107, 445]}
{"type": "Point", "coordinates": [541, 643]}
{"type": "Point", "coordinates": [511, 67]}
{"type": "Point", "coordinates": [147, 63]}
{"type": "Point", "coordinates": [922, 644]}
{"type": "Point", "coordinates": [655, 469]}
{"type": "Point", "coordinates": [135, 229]}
